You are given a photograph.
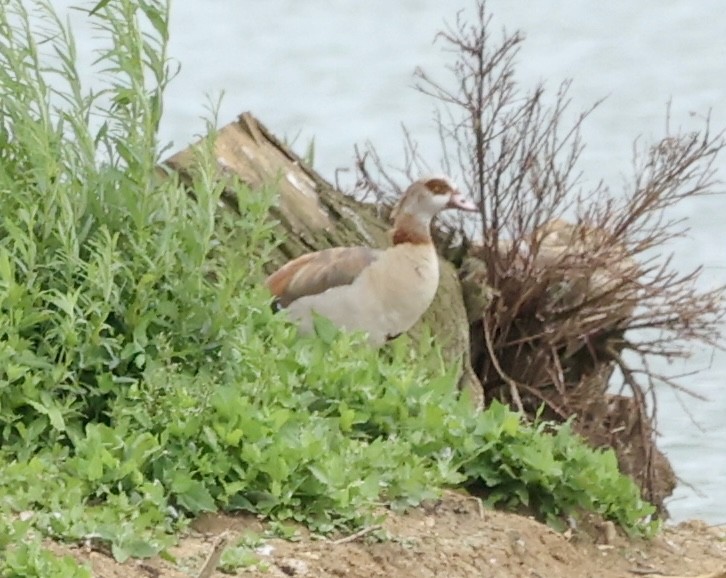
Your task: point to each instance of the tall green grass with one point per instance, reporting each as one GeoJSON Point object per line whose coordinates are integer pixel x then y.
{"type": "Point", "coordinates": [143, 376]}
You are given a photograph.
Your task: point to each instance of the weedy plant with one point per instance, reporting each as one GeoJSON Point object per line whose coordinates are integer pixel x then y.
{"type": "Point", "coordinates": [143, 376]}
{"type": "Point", "coordinates": [27, 557]}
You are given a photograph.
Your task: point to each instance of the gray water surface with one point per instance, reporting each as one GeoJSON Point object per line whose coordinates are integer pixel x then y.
{"type": "Point", "coordinates": [341, 72]}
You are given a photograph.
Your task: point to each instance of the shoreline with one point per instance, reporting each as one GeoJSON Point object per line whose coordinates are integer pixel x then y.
{"type": "Point", "coordinates": [450, 537]}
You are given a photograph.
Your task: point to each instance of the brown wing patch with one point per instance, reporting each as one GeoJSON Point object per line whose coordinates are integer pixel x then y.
{"type": "Point", "coordinates": [314, 273]}
{"type": "Point", "coordinates": [278, 281]}
{"type": "Point", "coordinates": [439, 186]}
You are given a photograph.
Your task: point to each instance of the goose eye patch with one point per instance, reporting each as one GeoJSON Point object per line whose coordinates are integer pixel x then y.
{"type": "Point", "coordinates": [438, 187]}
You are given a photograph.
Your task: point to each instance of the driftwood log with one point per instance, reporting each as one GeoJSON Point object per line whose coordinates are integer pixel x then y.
{"type": "Point", "coordinates": [313, 215]}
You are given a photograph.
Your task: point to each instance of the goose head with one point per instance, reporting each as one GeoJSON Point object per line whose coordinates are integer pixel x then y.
{"type": "Point", "coordinates": [421, 202]}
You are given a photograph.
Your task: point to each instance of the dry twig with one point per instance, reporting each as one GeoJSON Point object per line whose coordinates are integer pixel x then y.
{"type": "Point", "coordinates": [359, 534]}
{"type": "Point", "coordinates": [210, 564]}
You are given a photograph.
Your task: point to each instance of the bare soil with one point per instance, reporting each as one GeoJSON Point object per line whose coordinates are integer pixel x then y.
{"type": "Point", "coordinates": [452, 538]}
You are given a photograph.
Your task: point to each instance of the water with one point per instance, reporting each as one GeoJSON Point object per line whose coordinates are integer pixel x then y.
{"type": "Point", "coordinates": [341, 73]}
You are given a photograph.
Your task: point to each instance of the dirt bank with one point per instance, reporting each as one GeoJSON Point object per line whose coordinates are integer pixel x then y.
{"type": "Point", "coordinates": [452, 538]}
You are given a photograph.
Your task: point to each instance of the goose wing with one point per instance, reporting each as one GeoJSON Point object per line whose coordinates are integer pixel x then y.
{"type": "Point", "coordinates": [314, 273]}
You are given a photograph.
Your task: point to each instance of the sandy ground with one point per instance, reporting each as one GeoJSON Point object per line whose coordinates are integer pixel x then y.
{"type": "Point", "coordinates": [452, 538]}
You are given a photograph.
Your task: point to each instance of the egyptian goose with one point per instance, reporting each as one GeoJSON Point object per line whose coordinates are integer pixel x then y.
{"type": "Point", "coordinates": [380, 292]}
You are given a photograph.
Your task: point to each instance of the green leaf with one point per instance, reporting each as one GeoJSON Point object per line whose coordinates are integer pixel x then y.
{"type": "Point", "coordinates": [324, 329]}
{"type": "Point", "coordinates": [140, 548]}
{"type": "Point", "coordinates": [100, 6]}
{"type": "Point", "coordinates": [54, 414]}
{"type": "Point", "coordinates": [156, 17]}
{"type": "Point", "coordinates": [119, 554]}
{"type": "Point", "coordinates": [192, 494]}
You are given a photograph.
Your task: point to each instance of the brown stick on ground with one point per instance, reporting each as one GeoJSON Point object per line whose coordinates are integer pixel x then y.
{"type": "Point", "coordinates": [212, 560]}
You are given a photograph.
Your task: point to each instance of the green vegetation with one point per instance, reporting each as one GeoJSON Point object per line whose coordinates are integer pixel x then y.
{"type": "Point", "coordinates": [23, 555]}
{"type": "Point", "coordinates": [242, 555]}
{"type": "Point", "coordinates": [143, 376]}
